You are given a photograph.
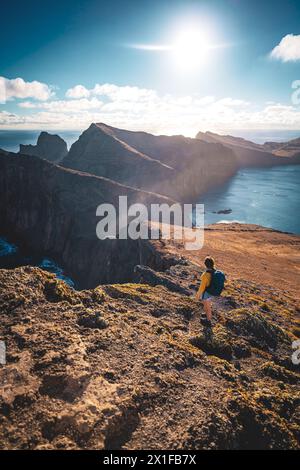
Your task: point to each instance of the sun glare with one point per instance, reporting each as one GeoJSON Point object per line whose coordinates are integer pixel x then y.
{"type": "Point", "coordinates": [189, 45]}
{"type": "Point", "coordinates": [190, 49]}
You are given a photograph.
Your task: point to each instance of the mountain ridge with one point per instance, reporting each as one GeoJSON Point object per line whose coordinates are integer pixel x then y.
{"type": "Point", "coordinates": [274, 148]}
{"type": "Point", "coordinates": [180, 173]}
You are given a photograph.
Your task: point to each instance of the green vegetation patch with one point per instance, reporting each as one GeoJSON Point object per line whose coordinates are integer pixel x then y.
{"type": "Point", "coordinates": [253, 324]}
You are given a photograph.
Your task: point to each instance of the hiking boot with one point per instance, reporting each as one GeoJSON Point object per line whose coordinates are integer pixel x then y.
{"type": "Point", "coordinates": [206, 322]}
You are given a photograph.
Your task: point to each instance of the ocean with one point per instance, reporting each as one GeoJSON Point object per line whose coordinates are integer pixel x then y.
{"type": "Point", "coordinates": [263, 196]}
{"type": "Point", "coordinates": [11, 256]}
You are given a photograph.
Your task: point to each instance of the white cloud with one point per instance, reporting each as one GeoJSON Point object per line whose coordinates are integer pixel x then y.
{"type": "Point", "coordinates": [10, 119]}
{"type": "Point", "coordinates": [288, 50]}
{"type": "Point", "coordinates": [124, 93]}
{"type": "Point", "coordinates": [112, 92]}
{"type": "Point", "coordinates": [233, 102]}
{"type": "Point", "coordinates": [78, 91]}
{"type": "Point", "coordinates": [64, 106]}
{"type": "Point", "coordinates": [144, 109]}
{"type": "Point", "coordinates": [18, 88]}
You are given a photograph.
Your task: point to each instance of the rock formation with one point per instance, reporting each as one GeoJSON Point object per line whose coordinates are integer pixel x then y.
{"type": "Point", "coordinates": [177, 167]}
{"type": "Point", "coordinates": [50, 147]}
{"type": "Point", "coordinates": [52, 210]}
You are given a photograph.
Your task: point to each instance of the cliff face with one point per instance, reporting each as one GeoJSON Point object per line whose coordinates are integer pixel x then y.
{"type": "Point", "coordinates": [176, 151]}
{"type": "Point", "coordinates": [174, 166]}
{"type": "Point", "coordinates": [50, 147]}
{"type": "Point", "coordinates": [53, 210]}
{"type": "Point", "coordinates": [251, 154]}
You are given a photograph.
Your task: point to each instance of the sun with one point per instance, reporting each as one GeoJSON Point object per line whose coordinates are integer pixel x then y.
{"type": "Point", "coordinates": [190, 48]}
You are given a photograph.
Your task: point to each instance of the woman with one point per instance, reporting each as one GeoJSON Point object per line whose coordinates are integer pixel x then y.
{"type": "Point", "coordinates": [202, 293]}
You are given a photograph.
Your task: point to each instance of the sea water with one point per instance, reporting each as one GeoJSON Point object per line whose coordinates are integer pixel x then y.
{"type": "Point", "coordinates": [11, 256]}
{"type": "Point", "coordinates": [263, 196]}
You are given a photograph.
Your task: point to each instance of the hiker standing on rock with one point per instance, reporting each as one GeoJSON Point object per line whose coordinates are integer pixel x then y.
{"type": "Point", "coordinates": [212, 284]}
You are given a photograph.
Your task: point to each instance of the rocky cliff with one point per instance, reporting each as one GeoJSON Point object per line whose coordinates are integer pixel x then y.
{"type": "Point", "coordinates": [50, 147]}
{"type": "Point", "coordinates": [53, 210]}
{"type": "Point", "coordinates": [177, 167]}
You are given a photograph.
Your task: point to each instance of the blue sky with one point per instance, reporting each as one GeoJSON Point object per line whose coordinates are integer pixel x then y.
{"type": "Point", "coordinates": [61, 45]}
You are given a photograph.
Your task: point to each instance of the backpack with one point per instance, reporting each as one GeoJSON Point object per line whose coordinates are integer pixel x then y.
{"type": "Point", "coordinates": [217, 283]}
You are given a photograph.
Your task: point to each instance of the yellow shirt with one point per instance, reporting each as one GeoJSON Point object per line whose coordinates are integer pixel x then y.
{"type": "Point", "coordinates": [205, 282]}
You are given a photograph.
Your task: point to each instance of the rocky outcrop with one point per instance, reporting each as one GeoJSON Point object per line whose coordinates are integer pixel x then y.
{"type": "Point", "coordinates": [52, 210]}
{"type": "Point", "coordinates": [251, 154]}
{"type": "Point", "coordinates": [177, 167]}
{"type": "Point", "coordinates": [284, 149]}
{"type": "Point", "coordinates": [144, 274]}
{"type": "Point", "coordinates": [50, 147]}
{"type": "Point", "coordinates": [130, 367]}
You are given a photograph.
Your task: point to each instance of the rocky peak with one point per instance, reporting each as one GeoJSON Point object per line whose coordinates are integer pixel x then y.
{"type": "Point", "coordinates": [51, 147]}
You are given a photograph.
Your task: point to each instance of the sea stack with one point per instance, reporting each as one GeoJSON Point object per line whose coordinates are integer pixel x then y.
{"type": "Point", "coordinates": [51, 147]}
